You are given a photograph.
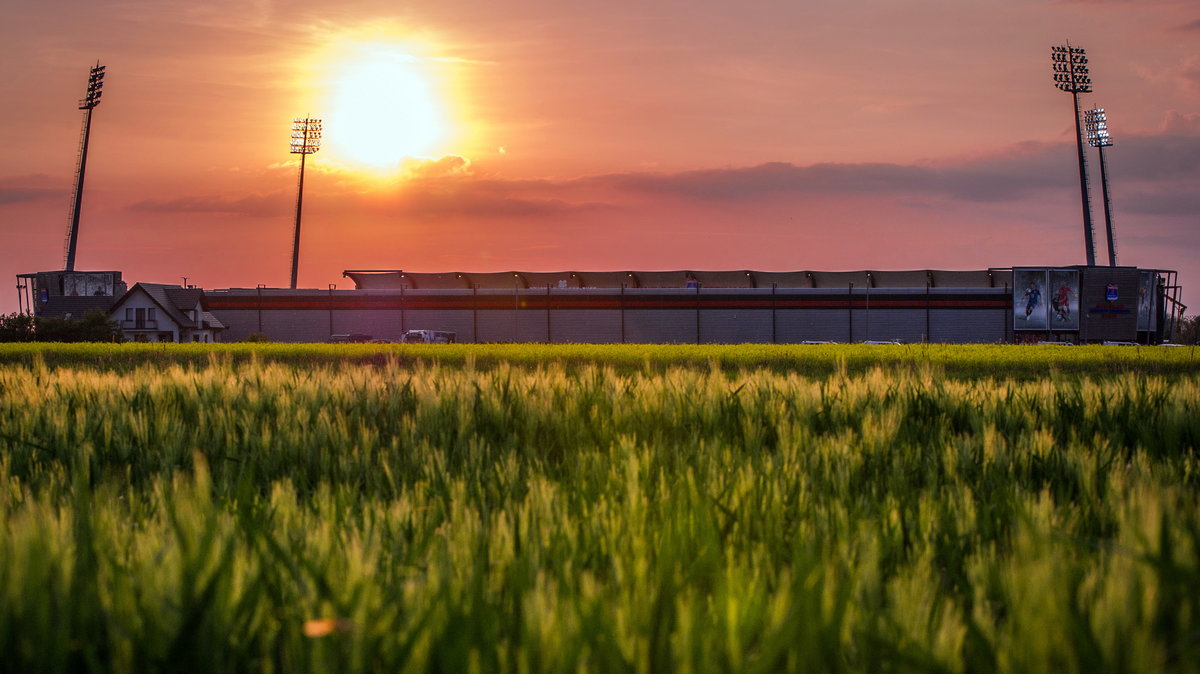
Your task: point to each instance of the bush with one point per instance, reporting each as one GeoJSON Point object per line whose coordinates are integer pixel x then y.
{"type": "Point", "coordinates": [95, 326]}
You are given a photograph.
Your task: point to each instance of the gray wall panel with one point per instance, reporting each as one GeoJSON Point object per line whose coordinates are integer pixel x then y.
{"type": "Point", "coordinates": [524, 325]}
{"type": "Point", "coordinates": [281, 325]}
{"type": "Point", "coordinates": [378, 323]}
{"type": "Point", "coordinates": [906, 325]}
{"type": "Point", "coordinates": [961, 326]}
{"type": "Point", "coordinates": [239, 324]}
{"type": "Point", "coordinates": [798, 325]}
{"type": "Point", "coordinates": [735, 326]}
{"type": "Point", "coordinates": [657, 326]}
{"type": "Point", "coordinates": [594, 326]}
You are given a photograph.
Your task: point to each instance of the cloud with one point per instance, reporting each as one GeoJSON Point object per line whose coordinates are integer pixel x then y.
{"type": "Point", "coordinates": [12, 195]}
{"type": "Point", "coordinates": [445, 196]}
{"type": "Point", "coordinates": [1020, 171]}
{"type": "Point", "coordinates": [1152, 175]}
{"type": "Point", "coordinates": [1190, 27]}
{"type": "Point", "coordinates": [1177, 123]}
{"type": "Point", "coordinates": [446, 165]}
{"type": "Point", "coordinates": [259, 206]}
{"type": "Point", "coordinates": [970, 182]}
{"type": "Point", "coordinates": [1190, 72]}
{"type": "Point", "coordinates": [19, 189]}
{"type": "Point", "coordinates": [1182, 200]}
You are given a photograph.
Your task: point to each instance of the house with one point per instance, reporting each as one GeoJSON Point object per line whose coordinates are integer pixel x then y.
{"type": "Point", "coordinates": [159, 312]}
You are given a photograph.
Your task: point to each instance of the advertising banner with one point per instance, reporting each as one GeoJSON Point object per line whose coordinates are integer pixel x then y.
{"type": "Point", "coordinates": [1064, 299]}
{"type": "Point", "coordinates": [1147, 307]}
{"type": "Point", "coordinates": [1029, 299]}
{"type": "Point", "coordinates": [86, 285]}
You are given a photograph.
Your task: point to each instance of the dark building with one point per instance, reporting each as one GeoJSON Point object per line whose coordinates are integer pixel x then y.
{"type": "Point", "coordinates": [68, 294]}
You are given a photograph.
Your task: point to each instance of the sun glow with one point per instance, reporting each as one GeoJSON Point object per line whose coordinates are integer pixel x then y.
{"type": "Point", "coordinates": [384, 109]}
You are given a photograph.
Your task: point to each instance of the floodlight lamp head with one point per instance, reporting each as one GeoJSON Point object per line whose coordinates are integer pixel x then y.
{"type": "Point", "coordinates": [1070, 69]}
{"type": "Point", "coordinates": [95, 84]}
{"type": "Point", "coordinates": [1096, 124]}
{"type": "Point", "coordinates": [306, 136]}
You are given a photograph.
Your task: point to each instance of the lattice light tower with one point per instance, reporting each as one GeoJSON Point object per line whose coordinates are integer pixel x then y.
{"type": "Point", "coordinates": [306, 140]}
{"type": "Point", "coordinates": [1071, 75]}
{"type": "Point", "coordinates": [1096, 127]}
{"type": "Point", "coordinates": [88, 103]}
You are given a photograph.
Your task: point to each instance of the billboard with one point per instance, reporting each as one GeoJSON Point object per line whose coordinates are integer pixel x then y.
{"type": "Point", "coordinates": [88, 285]}
{"type": "Point", "coordinates": [1064, 299]}
{"type": "Point", "coordinates": [1147, 308]}
{"type": "Point", "coordinates": [1045, 299]}
{"type": "Point", "coordinates": [1029, 299]}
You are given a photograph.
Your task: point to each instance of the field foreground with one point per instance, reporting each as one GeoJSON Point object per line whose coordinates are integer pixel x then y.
{"type": "Point", "coordinates": [464, 510]}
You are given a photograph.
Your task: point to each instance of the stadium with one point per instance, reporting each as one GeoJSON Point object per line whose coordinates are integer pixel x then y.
{"type": "Point", "coordinates": [1017, 304]}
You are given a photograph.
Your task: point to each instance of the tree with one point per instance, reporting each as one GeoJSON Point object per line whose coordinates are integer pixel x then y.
{"type": "Point", "coordinates": [17, 328]}
{"type": "Point", "coordinates": [1188, 331]}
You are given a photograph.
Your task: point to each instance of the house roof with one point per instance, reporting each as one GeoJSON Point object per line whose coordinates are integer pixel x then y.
{"type": "Point", "coordinates": [174, 300]}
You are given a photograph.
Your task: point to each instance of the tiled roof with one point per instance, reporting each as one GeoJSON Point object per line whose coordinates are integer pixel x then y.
{"type": "Point", "coordinates": [185, 299]}
{"type": "Point", "coordinates": [158, 292]}
{"type": "Point", "coordinates": [211, 321]}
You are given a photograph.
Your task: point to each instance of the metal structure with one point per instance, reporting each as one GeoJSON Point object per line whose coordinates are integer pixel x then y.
{"type": "Point", "coordinates": [306, 140]}
{"type": "Point", "coordinates": [88, 103]}
{"type": "Point", "coordinates": [1096, 125]}
{"type": "Point", "coordinates": [1071, 75]}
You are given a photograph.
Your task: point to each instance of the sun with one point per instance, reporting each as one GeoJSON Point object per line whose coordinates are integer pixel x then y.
{"type": "Point", "coordinates": [384, 109]}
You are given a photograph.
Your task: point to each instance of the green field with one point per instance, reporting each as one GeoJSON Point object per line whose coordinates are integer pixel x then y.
{"type": "Point", "coordinates": [581, 508]}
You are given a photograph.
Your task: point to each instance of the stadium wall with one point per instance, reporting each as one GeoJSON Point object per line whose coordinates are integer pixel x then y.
{"type": "Point", "coordinates": [622, 315]}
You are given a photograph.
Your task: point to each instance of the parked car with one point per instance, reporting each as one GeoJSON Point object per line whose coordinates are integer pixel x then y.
{"type": "Point", "coordinates": [351, 338]}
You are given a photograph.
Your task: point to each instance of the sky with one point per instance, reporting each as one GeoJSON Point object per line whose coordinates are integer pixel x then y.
{"type": "Point", "coordinates": [541, 135]}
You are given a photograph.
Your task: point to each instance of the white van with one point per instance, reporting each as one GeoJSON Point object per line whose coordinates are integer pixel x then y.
{"type": "Point", "coordinates": [428, 337]}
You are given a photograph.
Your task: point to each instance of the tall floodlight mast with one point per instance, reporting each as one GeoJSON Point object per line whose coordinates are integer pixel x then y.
{"type": "Point", "coordinates": [306, 140]}
{"type": "Point", "coordinates": [1071, 75]}
{"type": "Point", "coordinates": [88, 103]}
{"type": "Point", "coordinates": [1096, 125]}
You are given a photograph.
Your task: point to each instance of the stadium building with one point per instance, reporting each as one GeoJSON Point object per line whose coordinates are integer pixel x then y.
{"type": "Point", "coordinates": [1075, 304]}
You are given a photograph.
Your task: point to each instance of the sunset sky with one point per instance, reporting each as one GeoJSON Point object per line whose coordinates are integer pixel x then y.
{"type": "Point", "coordinates": [550, 135]}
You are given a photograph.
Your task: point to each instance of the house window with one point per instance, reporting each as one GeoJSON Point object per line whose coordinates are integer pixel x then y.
{"type": "Point", "coordinates": [150, 313]}
{"type": "Point", "coordinates": [195, 338]}
{"type": "Point", "coordinates": [129, 313]}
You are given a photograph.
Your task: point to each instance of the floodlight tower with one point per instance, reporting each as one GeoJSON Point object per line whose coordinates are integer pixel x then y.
{"type": "Point", "coordinates": [1096, 125]}
{"type": "Point", "coordinates": [88, 103]}
{"type": "Point", "coordinates": [1071, 75]}
{"type": "Point", "coordinates": [306, 140]}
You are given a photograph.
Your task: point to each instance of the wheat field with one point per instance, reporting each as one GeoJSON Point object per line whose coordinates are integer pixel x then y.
{"type": "Point", "coordinates": [599, 509]}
